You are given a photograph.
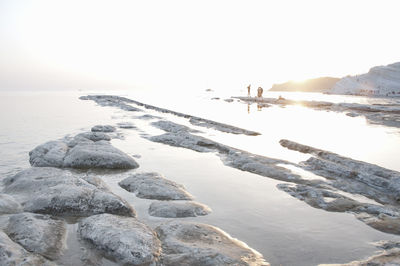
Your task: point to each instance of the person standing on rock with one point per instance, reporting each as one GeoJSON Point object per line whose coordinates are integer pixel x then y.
{"type": "Point", "coordinates": [260, 92]}
{"type": "Point", "coordinates": [248, 90]}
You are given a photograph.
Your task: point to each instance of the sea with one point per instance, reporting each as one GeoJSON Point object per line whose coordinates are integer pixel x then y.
{"type": "Point", "coordinates": [249, 207]}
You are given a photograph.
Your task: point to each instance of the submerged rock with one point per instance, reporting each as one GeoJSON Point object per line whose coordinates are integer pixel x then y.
{"type": "Point", "coordinates": [126, 125]}
{"type": "Point", "coordinates": [103, 128]}
{"type": "Point", "coordinates": [110, 100]}
{"type": "Point", "coordinates": [38, 233]}
{"type": "Point", "coordinates": [390, 256]}
{"type": "Point", "coordinates": [154, 186]}
{"type": "Point", "coordinates": [9, 205]}
{"type": "Point", "coordinates": [178, 209]}
{"type": "Point", "coordinates": [59, 192]}
{"type": "Point", "coordinates": [169, 126]}
{"type": "Point", "coordinates": [200, 244]}
{"type": "Point", "coordinates": [12, 254]}
{"type": "Point", "coordinates": [122, 239]}
{"type": "Point", "coordinates": [85, 150]}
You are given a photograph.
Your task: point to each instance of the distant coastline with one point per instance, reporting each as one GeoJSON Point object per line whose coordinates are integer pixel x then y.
{"type": "Point", "coordinates": [322, 84]}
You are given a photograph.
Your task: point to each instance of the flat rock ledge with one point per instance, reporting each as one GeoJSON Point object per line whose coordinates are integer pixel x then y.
{"type": "Point", "coordinates": [186, 243]}
{"type": "Point", "coordinates": [154, 186]}
{"type": "Point", "coordinates": [38, 233]}
{"type": "Point", "coordinates": [178, 209]}
{"type": "Point", "coordinates": [84, 151]}
{"type": "Point", "coordinates": [55, 191]}
{"type": "Point", "coordinates": [103, 128]}
{"type": "Point", "coordinates": [122, 239]}
{"type": "Point", "coordinates": [12, 254]}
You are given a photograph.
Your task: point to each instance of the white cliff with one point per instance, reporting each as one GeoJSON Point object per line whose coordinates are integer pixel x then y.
{"type": "Point", "coordinates": [379, 81]}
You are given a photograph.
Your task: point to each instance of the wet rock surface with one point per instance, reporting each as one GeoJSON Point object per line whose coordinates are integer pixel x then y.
{"type": "Point", "coordinates": [122, 239]}
{"type": "Point", "coordinates": [103, 128]}
{"type": "Point", "coordinates": [186, 243]}
{"type": "Point", "coordinates": [9, 205]}
{"type": "Point", "coordinates": [12, 254]}
{"type": "Point", "coordinates": [232, 157]}
{"type": "Point", "coordinates": [121, 102]}
{"type": "Point", "coordinates": [154, 186]}
{"type": "Point", "coordinates": [85, 150]}
{"type": "Point", "coordinates": [178, 209]}
{"type": "Point", "coordinates": [60, 192]}
{"type": "Point", "coordinates": [382, 218]}
{"type": "Point", "coordinates": [372, 181]}
{"type": "Point", "coordinates": [113, 101]}
{"type": "Point", "coordinates": [38, 233]}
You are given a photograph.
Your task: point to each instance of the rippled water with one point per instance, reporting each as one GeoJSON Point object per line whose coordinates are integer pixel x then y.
{"type": "Point", "coordinates": [247, 206]}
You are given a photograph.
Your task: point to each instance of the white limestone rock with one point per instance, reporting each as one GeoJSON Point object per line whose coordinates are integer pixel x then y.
{"type": "Point", "coordinates": [38, 233]}
{"type": "Point", "coordinates": [187, 243]}
{"type": "Point", "coordinates": [154, 186]}
{"type": "Point", "coordinates": [122, 239]}
{"type": "Point", "coordinates": [12, 254]}
{"type": "Point", "coordinates": [380, 80]}
{"type": "Point", "coordinates": [178, 209]}
{"type": "Point", "coordinates": [59, 192]}
{"type": "Point", "coordinates": [9, 205]}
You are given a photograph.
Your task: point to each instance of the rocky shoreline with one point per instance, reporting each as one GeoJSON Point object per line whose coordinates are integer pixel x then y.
{"type": "Point", "coordinates": [37, 203]}
{"type": "Point", "coordinates": [61, 194]}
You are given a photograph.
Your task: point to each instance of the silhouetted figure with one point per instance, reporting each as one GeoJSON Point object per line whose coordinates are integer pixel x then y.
{"type": "Point", "coordinates": [248, 90]}
{"type": "Point", "coordinates": [259, 92]}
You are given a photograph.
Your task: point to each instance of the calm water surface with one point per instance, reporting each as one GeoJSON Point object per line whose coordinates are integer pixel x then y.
{"type": "Point", "coordinates": [247, 206]}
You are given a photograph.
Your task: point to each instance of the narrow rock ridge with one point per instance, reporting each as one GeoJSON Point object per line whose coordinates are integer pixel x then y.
{"type": "Point", "coordinates": [380, 114]}
{"type": "Point", "coordinates": [372, 181]}
{"type": "Point", "coordinates": [108, 100]}
{"type": "Point", "coordinates": [382, 218]}
{"type": "Point", "coordinates": [232, 157]}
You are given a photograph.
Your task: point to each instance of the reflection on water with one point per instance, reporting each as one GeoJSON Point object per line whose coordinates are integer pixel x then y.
{"type": "Point", "coordinates": [247, 206]}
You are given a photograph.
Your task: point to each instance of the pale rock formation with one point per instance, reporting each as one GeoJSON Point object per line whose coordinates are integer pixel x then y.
{"type": "Point", "coordinates": [186, 243]}
{"type": "Point", "coordinates": [154, 186]}
{"type": "Point", "coordinates": [380, 80]}
{"type": "Point", "coordinates": [12, 254]}
{"type": "Point", "coordinates": [178, 209]}
{"type": "Point", "coordinates": [122, 239]}
{"type": "Point", "coordinates": [38, 233]}
{"type": "Point", "coordinates": [59, 192]}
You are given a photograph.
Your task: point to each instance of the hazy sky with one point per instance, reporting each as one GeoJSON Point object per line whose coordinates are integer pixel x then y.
{"type": "Point", "coordinates": [137, 44]}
